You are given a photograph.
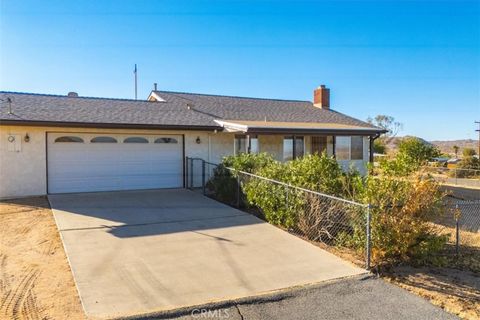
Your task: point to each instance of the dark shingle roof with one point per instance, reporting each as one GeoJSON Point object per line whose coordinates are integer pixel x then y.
{"type": "Point", "coordinates": [203, 110]}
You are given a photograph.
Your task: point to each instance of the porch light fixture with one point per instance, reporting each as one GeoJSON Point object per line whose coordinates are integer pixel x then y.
{"type": "Point", "coordinates": [26, 138]}
{"type": "Point", "coordinates": [198, 141]}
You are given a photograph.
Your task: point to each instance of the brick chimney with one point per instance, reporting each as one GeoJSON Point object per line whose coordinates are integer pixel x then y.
{"type": "Point", "coordinates": [321, 97]}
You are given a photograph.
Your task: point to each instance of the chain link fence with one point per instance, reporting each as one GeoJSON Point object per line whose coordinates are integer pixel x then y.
{"type": "Point", "coordinates": [455, 176]}
{"type": "Point", "coordinates": [313, 216]}
{"type": "Point", "coordinates": [460, 223]}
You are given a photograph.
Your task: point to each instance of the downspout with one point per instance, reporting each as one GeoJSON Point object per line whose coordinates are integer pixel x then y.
{"type": "Point", "coordinates": [372, 139]}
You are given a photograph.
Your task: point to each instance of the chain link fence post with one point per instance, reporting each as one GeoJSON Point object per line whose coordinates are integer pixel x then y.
{"type": "Point", "coordinates": [286, 199]}
{"type": "Point", "coordinates": [186, 172]}
{"type": "Point", "coordinates": [238, 190]}
{"type": "Point", "coordinates": [203, 177]}
{"type": "Point", "coordinates": [368, 244]}
{"type": "Point", "coordinates": [457, 230]}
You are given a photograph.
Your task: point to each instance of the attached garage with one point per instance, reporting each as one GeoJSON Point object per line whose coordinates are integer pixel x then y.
{"type": "Point", "coordinates": [81, 162]}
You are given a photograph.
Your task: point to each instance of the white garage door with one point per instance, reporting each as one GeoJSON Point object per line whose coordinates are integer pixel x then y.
{"type": "Point", "coordinates": [104, 162]}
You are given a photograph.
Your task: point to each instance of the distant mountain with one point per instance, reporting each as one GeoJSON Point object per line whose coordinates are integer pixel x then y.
{"type": "Point", "coordinates": [444, 146]}
{"type": "Point", "coordinates": [394, 142]}
{"type": "Point", "coordinates": [447, 146]}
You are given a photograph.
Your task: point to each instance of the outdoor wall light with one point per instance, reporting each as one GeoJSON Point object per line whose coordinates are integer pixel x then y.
{"type": "Point", "coordinates": [198, 141]}
{"type": "Point", "coordinates": [26, 138]}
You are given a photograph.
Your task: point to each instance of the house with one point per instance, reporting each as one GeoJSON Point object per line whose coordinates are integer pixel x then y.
{"type": "Point", "coordinates": [62, 144]}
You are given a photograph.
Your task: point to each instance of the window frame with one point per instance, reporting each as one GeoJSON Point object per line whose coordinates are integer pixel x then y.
{"type": "Point", "coordinates": [248, 143]}
{"type": "Point", "coordinates": [350, 148]}
{"type": "Point", "coordinates": [360, 150]}
{"type": "Point", "coordinates": [294, 152]}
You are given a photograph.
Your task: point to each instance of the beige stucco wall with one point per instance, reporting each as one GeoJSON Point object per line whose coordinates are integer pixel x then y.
{"type": "Point", "coordinates": [24, 173]}
{"type": "Point", "coordinates": [272, 144]}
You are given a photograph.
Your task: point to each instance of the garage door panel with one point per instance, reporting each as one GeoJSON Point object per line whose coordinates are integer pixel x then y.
{"type": "Point", "coordinates": [88, 167]}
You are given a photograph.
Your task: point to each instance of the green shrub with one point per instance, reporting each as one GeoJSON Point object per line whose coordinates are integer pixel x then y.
{"type": "Point", "coordinates": [248, 162]}
{"type": "Point", "coordinates": [404, 203]}
{"type": "Point", "coordinates": [417, 151]}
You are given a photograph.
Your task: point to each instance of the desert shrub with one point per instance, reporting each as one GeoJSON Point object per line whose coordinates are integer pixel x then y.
{"type": "Point", "coordinates": [417, 151]}
{"type": "Point", "coordinates": [401, 215]}
{"type": "Point", "coordinates": [379, 146]}
{"type": "Point", "coordinates": [468, 152]}
{"type": "Point", "coordinates": [248, 162]}
{"type": "Point", "coordinates": [320, 173]}
{"type": "Point", "coordinates": [223, 185]}
{"type": "Point", "coordinates": [469, 167]}
{"type": "Point", "coordinates": [404, 202]}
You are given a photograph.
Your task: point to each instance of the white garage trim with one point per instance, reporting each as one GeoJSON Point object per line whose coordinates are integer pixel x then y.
{"type": "Point", "coordinates": [91, 162]}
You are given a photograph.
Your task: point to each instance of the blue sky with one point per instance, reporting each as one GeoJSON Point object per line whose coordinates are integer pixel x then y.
{"type": "Point", "coordinates": [418, 61]}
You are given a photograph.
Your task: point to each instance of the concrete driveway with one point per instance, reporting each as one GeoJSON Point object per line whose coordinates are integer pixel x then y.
{"type": "Point", "coordinates": [143, 251]}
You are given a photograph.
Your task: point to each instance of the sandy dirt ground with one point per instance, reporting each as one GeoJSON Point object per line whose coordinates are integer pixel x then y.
{"type": "Point", "coordinates": [456, 291]}
{"type": "Point", "coordinates": [35, 278]}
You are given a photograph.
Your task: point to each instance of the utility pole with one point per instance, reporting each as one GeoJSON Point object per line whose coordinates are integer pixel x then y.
{"type": "Point", "coordinates": [135, 73]}
{"type": "Point", "coordinates": [478, 130]}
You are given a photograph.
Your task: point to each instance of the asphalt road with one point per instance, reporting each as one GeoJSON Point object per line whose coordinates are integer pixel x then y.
{"type": "Point", "coordinates": [354, 298]}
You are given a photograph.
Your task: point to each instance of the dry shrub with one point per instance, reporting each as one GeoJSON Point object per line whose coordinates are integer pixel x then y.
{"type": "Point", "coordinates": [401, 215]}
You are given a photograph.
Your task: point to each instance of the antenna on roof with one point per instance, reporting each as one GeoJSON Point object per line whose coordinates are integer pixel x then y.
{"type": "Point", "coordinates": [135, 73]}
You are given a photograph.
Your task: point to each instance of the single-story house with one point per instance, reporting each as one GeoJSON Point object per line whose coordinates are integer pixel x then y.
{"type": "Point", "coordinates": [61, 144]}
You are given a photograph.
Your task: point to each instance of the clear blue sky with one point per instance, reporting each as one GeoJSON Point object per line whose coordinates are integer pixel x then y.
{"type": "Point", "coordinates": [418, 61]}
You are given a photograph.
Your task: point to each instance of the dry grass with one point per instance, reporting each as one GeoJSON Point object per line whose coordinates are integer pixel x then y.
{"type": "Point", "coordinates": [35, 278]}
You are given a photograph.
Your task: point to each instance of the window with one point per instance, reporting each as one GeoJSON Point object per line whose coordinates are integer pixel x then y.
{"type": "Point", "coordinates": [357, 148]}
{"type": "Point", "coordinates": [240, 144]}
{"type": "Point", "coordinates": [342, 148]}
{"type": "Point", "coordinates": [69, 139]}
{"type": "Point", "coordinates": [293, 147]}
{"type": "Point", "coordinates": [319, 144]}
{"type": "Point", "coordinates": [254, 146]}
{"type": "Point", "coordinates": [246, 144]}
{"type": "Point", "coordinates": [166, 140]}
{"type": "Point", "coordinates": [135, 140]}
{"type": "Point", "coordinates": [349, 148]}
{"type": "Point", "coordinates": [103, 140]}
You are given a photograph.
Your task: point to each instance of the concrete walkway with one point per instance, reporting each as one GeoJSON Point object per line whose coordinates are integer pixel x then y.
{"type": "Point", "coordinates": [145, 251]}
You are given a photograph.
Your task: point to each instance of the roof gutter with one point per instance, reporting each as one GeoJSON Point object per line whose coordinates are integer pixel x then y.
{"type": "Point", "coordinates": [336, 132]}
{"type": "Point", "coordinates": [107, 125]}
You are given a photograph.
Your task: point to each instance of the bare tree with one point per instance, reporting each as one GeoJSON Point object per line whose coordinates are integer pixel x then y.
{"type": "Point", "coordinates": [388, 123]}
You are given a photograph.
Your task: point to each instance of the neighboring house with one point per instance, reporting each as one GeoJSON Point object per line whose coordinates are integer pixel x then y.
{"type": "Point", "coordinates": [61, 144]}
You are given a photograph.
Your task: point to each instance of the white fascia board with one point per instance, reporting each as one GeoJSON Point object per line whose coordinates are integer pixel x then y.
{"type": "Point", "coordinates": [232, 127]}
{"type": "Point", "coordinates": [154, 96]}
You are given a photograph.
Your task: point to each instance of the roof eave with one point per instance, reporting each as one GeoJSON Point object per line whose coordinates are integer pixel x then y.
{"type": "Point", "coordinates": [106, 125]}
